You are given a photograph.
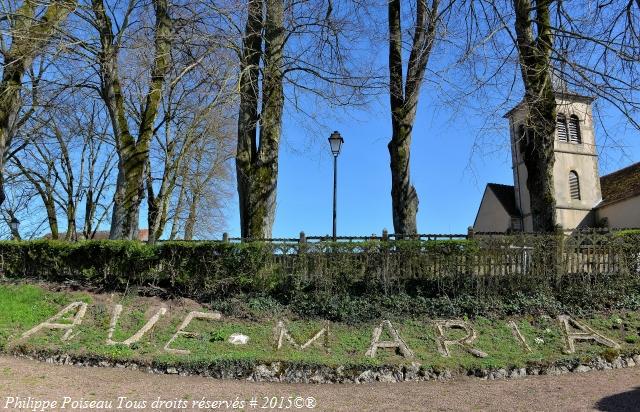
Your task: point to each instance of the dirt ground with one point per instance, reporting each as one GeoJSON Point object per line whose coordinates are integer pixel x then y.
{"type": "Point", "coordinates": [612, 390]}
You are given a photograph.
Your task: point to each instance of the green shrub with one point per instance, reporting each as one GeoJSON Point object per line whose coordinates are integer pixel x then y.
{"type": "Point", "coordinates": [354, 281]}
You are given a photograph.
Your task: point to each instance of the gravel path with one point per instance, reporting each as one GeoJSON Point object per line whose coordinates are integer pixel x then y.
{"type": "Point", "coordinates": [612, 390]}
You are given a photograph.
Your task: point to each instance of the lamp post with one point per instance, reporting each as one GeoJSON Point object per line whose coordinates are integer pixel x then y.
{"type": "Point", "coordinates": [335, 141]}
{"type": "Point", "coordinates": [14, 225]}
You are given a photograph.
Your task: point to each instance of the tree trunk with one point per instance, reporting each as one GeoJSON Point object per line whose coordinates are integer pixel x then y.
{"type": "Point", "coordinates": [257, 163]}
{"type": "Point", "coordinates": [248, 113]}
{"type": "Point", "coordinates": [111, 93]}
{"type": "Point", "coordinates": [403, 195]}
{"type": "Point", "coordinates": [537, 154]}
{"type": "Point", "coordinates": [153, 207]}
{"type": "Point", "coordinates": [9, 107]}
{"type": "Point", "coordinates": [265, 177]}
{"type": "Point", "coordinates": [404, 104]}
{"type": "Point", "coordinates": [190, 223]}
{"type": "Point", "coordinates": [117, 214]}
{"type": "Point", "coordinates": [178, 211]}
{"type": "Point", "coordinates": [538, 142]}
{"type": "Point", "coordinates": [71, 224]}
{"type": "Point", "coordinates": [89, 212]}
{"type": "Point", "coordinates": [133, 154]}
{"type": "Point", "coordinates": [52, 218]}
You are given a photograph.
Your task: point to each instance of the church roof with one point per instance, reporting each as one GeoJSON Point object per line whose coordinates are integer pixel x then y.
{"type": "Point", "coordinates": [506, 194]}
{"type": "Point", "coordinates": [565, 95]}
{"type": "Point", "coordinates": [620, 185]}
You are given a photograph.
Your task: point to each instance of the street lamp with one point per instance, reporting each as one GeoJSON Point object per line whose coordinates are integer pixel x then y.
{"type": "Point", "coordinates": [335, 141]}
{"type": "Point", "coordinates": [14, 224]}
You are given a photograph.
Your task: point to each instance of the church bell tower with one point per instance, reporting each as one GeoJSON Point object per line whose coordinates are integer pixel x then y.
{"type": "Point", "coordinates": [575, 172]}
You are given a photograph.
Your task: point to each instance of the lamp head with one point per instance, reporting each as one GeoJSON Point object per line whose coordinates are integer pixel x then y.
{"type": "Point", "coordinates": [335, 141]}
{"type": "Point", "coordinates": [14, 224]}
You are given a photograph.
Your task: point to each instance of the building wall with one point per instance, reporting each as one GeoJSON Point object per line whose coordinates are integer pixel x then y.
{"type": "Point", "coordinates": [491, 215]}
{"type": "Point", "coordinates": [621, 215]}
{"type": "Point", "coordinates": [581, 158]}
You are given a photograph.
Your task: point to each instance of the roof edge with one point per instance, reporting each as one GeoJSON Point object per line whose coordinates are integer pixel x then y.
{"type": "Point", "coordinates": [560, 95]}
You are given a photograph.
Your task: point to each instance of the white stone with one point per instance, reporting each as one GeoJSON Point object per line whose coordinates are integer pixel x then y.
{"type": "Point", "coordinates": [617, 363]}
{"type": "Point", "coordinates": [238, 339]}
{"type": "Point", "coordinates": [582, 368]}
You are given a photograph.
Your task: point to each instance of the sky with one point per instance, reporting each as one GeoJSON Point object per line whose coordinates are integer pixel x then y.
{"type": "Point", "coordinates": [458, 147]}
{"type": "Point", "coordinates": [448, 170]}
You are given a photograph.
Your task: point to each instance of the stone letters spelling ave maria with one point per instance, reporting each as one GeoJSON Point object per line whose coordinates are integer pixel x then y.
{"type": "Point", "coordinates": [74, 313]}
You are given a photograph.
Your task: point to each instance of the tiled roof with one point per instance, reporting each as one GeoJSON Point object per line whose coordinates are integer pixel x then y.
{"type": "Point", "coordinates": [620, 185]}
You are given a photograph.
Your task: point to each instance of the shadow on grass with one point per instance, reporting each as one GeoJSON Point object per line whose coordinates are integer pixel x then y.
{"type": "Point", "coordinates": [625, 401]}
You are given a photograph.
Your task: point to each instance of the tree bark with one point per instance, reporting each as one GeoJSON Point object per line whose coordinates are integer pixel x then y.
{"type": "Point", "coordinates": [178, 210]}
{"type": "Point", "coordinates": [537, 144]}
{"type": "Point", "coordinates": [190, 222]}
{"type": "Point", "coordinates": [257, 162]}
{"type": "Point", "coordinates": [404, 103]}
{"type": "Point", "coordinates": [248, 113]}
{"type": "Point", "coordinates": [117, 213]}
{"type": "Point", "coordinates": [263, 202]}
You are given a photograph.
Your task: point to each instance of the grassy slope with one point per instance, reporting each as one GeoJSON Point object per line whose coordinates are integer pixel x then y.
{"type": "Point", "coordinates": [24, 306]}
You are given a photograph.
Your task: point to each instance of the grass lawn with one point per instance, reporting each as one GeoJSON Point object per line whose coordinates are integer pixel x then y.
{"type": "Point", "coordinates": [23, 306]}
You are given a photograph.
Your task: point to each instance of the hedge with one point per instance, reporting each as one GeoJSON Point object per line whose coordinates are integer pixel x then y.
{"type": "Point", "coordinates": [355, 281]}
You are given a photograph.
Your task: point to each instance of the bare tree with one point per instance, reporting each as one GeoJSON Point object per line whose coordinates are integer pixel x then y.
{"type": "Point", "coordinates": [403, 96]}
{"type": "Point", "coordinates": [30, 27]}
{"type": "Point", "coordinates": [257, 160]}
{"type": "Point", "coordinates": [539, 132]}
{"type": "Point", "coordinates": [133, 150]}
{"type": "Point", "coordinates": [207, 179]}
{"type": "Point", "coordinates": [67, 165]}
{"type": "Point", "coordinates": [305, 45]}
{"type": "Point", "coordinates": [200, 90]}
{"type": "Point", "coordinates": [18, 206]}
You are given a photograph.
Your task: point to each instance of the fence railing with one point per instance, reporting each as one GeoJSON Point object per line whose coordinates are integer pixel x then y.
{"type": "Point", "coordinates": [436, 265]}
{"type": "Point", "coordinates": [303, 238]}
{"type": "Point", "coordinates": [472, 254]}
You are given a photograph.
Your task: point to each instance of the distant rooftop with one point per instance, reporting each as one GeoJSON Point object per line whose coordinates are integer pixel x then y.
{"type": "Point", "coordinates": [620, 185]}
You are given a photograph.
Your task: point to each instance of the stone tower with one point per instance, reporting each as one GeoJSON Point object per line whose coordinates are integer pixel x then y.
{"type": "Point", "coordinates": [575, 171]}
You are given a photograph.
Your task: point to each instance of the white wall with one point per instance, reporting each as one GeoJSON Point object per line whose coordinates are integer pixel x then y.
{"type": "Point", "coordinates": [491, 215]}
{"type": "Point", "coordinates": [621, 215]}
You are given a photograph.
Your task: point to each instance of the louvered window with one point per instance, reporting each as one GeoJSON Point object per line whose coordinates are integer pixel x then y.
{"type": "Point", "coordinates": [574, 185]}
{"type": "Point", "coordinates": [574, 130]}
{"type": "Point", "coordinates": [561, 128]}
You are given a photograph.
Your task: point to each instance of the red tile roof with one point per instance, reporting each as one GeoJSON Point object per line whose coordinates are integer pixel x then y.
{"type": "Point", "coordinates": [620, 185]}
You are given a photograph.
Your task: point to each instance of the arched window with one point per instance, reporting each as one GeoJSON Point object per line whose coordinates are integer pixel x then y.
{"type": "Point", "coordinates": [561, 128]}
{"type": "Point", "coordinates": [574, 129]}
{"type": "Point", "coordinates": [574, 185]}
